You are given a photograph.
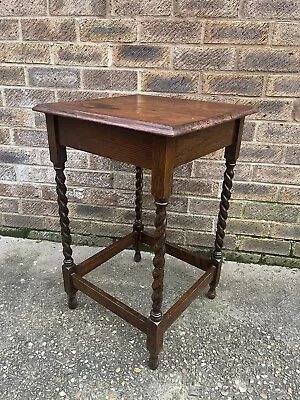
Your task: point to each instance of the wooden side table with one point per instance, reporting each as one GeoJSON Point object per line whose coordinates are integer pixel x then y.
{"type": "Point", "coordinates": [159, 134]}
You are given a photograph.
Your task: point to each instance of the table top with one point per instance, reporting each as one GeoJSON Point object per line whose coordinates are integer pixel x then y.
{"type": "Point", "coordinates": [159, 115]}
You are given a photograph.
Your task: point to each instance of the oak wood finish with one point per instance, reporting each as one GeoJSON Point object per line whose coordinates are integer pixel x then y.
{"type": "Point", "coordinates": [159, 134]}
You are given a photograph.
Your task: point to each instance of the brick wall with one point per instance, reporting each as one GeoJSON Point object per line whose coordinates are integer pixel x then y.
{"type": "Point", "coordinates": [237, 51]}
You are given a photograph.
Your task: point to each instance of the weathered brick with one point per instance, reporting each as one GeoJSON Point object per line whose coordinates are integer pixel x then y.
{"type": "Point", "coordinates": [12, 75]}
{"type": "Point", "coordinates": [296, 248]}
{"type": "Point", "coordinates": [283, 86]}
{"type": "Point", "coordinates": [16, 117]}
{"type": "Point", "coordinates": [25, 53]}
{"type": "Point", "coordinates": [296, 110]}
{"type": "Point", "coordinates": [9, 29]}
{"type": "Point", "coordinates": [141, 7]}
{"type": "Point", "coordinates": [170, 82]}
{"type": "Point", "coordinates": [109, 80]}
{"type": "Point", "coordinates": [249, 130]}
{"type": "Point", "coordinates": [205, 169]}
{"type": "Point", "coordinates": [48, 29]}
{"type": "Point", "coordinates": [54, 77]}
{"type": "Point", "coordinates": [271, 212]}
{"type": "Point", "coordinates": [276, 174]}
{"type": "Point", "coordinates": [111, 197]}
{"type": "Point", "coordinates": [31, 173]}
{"type": "Point", "coordinates": [211, 207]}
{"type": "Point", "coordinates": [72, 95]}
{"type": "Point", "coordinates": [253, 191]}
{"type": "Point", "coordinates": [13, 155]}
{"type": "Point", "coordinates": [30, 137]}
{"type": "Point", "coordinates": [183, 170]}
{"type": "Point", "coordinates": [22, 8]}
{"type": "Point", "coordinates": [141, 56]}
{"type": "Point", "coordinates": [88, 178]}
{"type": "Point", "coordinates": [167, 31]}
{"type": "Point", "coordinates": [28, 97]}
{"type": "Point", "coordinates": [258, 153]}
{"type": "Point", "coordinates": [271, 109]}
{"type": "Point", "coordinates": [78, 194]}
{"type": "Point", "coordinates": [28, 221]}
{"type": "Point", "coordinates": [263, 9]}
{"type": "Point", "coordinates": [108, 30]}
{"type": "Point", "coordinates": [7, 173]}
{"type": "Point", "coordinates": [4, 136]}
{"type": "Point", "coordinates": [190, 222]}
{"type": "Point", "coordinates": [286, 33]}
{"type": "Point", "coordinates": [278, 133]}
{"type": "Point", "coordinates": [194, 186]}
{"type": "Point", "coordinates": [39, 120]}
{"type": "Point", "coordinates": [20, 190]}
{"type": "Point", "coordinates": [242, 227]}
{"type": "Point", "coordinates": [8, 205]}
{"type": "Point", "coordinates": [74, 54]}
{"type": "Point", "coordinates": [269, 60]}
{"type": "Point", "coordinates": [77, 7]}
{"type": "Point", "coordinates": [238, 84]}
{"type": "Point", "coordinates": [194, 58]}
{"type": "Point", "coordinates": [289, 194]}
{"type": "Point", "coordinates": [293, 155]}
{"type": "Point", "coordinates": [208, 8]}
{"type": "Point", "coordinates": [236, 32]}
{"type": "Point", "coordinates": [107, 229]}
{"type": "Point", "coordinates": [75, 158]}
{"type": "Point", "coordinates": [106, 164]}
{"type": "Point", "coordinates": [86, 211]}
{"type": "Point", "coordinates": [271, 246]}
{"type": "Point", "coordinates": [39, 207]}
{"type": "Point", "coordinates": [285, 231]}
{"type": "Point", "coordinates": [206, 240]}
{"type": "Point", "coordinates": [126, 181]}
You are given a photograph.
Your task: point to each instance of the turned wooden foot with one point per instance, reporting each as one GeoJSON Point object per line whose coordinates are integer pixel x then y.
{"type": "Point", "coordinates": [211, 294]}
{"type": "Point", "coordinates": [72, 302]}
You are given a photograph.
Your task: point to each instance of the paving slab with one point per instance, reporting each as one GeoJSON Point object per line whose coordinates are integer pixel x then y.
{"type": "Point", "coordinates": [242, 345]}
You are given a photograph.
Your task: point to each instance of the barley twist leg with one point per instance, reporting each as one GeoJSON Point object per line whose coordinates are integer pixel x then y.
{"type": "Point", "coordinates": [68, 264]}
{"type": "Point", "coordinates": [221, 226]}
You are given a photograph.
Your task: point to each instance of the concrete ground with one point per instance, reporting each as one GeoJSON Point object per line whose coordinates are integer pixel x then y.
{"type": "Point", "coordinates": [242, 345]}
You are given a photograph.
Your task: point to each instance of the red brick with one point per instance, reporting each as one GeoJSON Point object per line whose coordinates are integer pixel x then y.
{"type": "Point", "coordinates": [247, 227]}
{"type": "Point", "coordinates": [194, 186]}
{"type": "Point", "coordinates": [9, 29]}
{"type": "Point", "coordinates": [141, 7]}
{"type": "Point", "coordinates": [12, 75]}
{"type": "Point", "coordinates": [269, 60]}
{"type": "Point", "coordinates": [24, 191]}
{"type": "Point", "coordinates": [89, 178]}
{"type": "Point", "coordinates": [39, 207]}
{"type": "Point", "coordinates": [271, 212]}
{"type": "Point", "coordinates": [25, 53]}
{"type": "Point", "coordinates": [283, 85]}
{"type": "Point", "coordinates": [285, 231]}
{"type": "Point", "coordinates": [211, 207]}
{"type": "Point", "coordinates": [85, 55]}
{"type": "Point", "coordinates": [286, 34]}
{"type": "Point", "coordinates": [278, 133]}
{"type": "Point", "coordinates": [108, 30]}
{"type": "Point", "coordinates": [141, 56]}
{"type": "Point", "coordinates": [208, 8]}
{"type": "Point", "coordinates": [236, 32]}
{"type": "Point", "coordinates": [48, 29]}
{"type": "Point", "coordinates": [238, 84]}
{"type": "Point", "coordinates": [193, 58]}
{"type": "Point", "coordinates": [169, 31]}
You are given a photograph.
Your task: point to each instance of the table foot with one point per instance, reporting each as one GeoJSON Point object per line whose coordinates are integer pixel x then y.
{"type": "Point", "coordinates": [72, 302]}
{"type": "Point", "coordinates": [211, 294]}
{"type": "Point", "coordinates": [153, 362]}
{"type": "Point", "coordinates": [137, 257]}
